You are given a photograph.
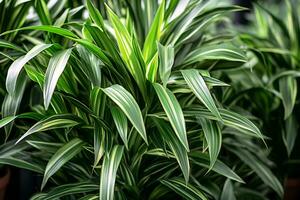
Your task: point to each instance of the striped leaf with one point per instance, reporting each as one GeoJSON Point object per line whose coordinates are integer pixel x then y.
{"type": "Point", "coordinates": [187, 191]}
{"type": "Point", "coordinates": [260, 169]}
{"type": "Point", "coordinates": [95, 14]}
{"type": "Point", "coordinates": [290, 133]}
{"type": "Point", "coordinates": [125, 43]}
{"type": "Point", "coordinates": [231, 119]}
{"type": "Point", "coordinates": [81, 187]}
{"type": "Point", "coordinates": [216, 52]}
{"type": "Point", "coordinates": [199, 88]}
{"type": "Point", "coordinates": [166, 60]}
{"type": "Point", "coordinates": [153, 36]}
{"type": "Point", "coordinates": [219, 167]}
{"type": "Point", "coordinates": [213, 136]}
{"type": "Point", "coordinates": [16, 67]}
{"type": "Point", "coordinates": [63, 155]}
{"type": "Point", "coordinates": [129, 106]}
{"type": "Point", "coordinates": [228, 191]}
{"type": "Point", "coordinates": [121, 123]}
{"type": "Point", "coordinates": [176, 147]}
{"type": "Point", "coordinates": [174, 113]}
{"type": "Point", "coordinates": [6, 120]}
{"type": "Point", "coordinates": [55, 68]}
{"type": "Point", "coordinates": [109, 172]}
{"type": "Point", "coordinates": [288, 90]}
{"type": "Point", "coordinates": [52, 122]}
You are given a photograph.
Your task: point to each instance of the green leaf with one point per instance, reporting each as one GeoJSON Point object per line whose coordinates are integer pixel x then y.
{"type": "Point", "coordinates": [290, 133]}
{"type": "Point", "coordinates": [109, 172]}
{"type": "Point", "coordinates": [63, 155]}
{"type": "Point", "coordinates": [288, 90]}
{"type": "Point", "coordinates": [129, 106]}
{"type": "Point", "coordinates": [231, 119]}
{"type": "Point", "coordinates": [121, 123]}
{"type": "Point", "coordinates": [42, 11]}
{"type": "Point", "coordinates": [154, 34]}
{"type": "Point", "coordinates": [81, 187]}
{"type": "Point", "coordinates": [174, 112]}
{"type": "Point", "coordinates": [200, 89]}
{"type": "Point", "coordinates": [260, 169]}
{"type": "Point", "coordinates": [219, 167]}
{"type": "Point", "coordinates": [216, 52]}
{"type": "Point", "coordinates": [213, 136]}
{"type": "Point", "coordinates": [176, 147]}
{"type": "Point", "coordinates": [187, 191]}
{"type": "Point", "coordinates": [166, 60]}
{"type": "Point", "coordinates": [7, 120]}
{"type": "Point", "coordinates": [51, 29]}
{"type": "Point", "coordinates": [52, 122]}
{"type": "Point", "coordinates": [55, 68]}
{"type": "Point", "coordinates": [228, 191]}
{"type": "Point", "coordinates": [16, 67]}
{"type": "Point", "coordinates": [129, 55]}
{"type": "Point", "coordinates": [95, 15]}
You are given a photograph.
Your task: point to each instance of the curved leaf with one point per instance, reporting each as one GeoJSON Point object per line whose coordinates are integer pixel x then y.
{"type": "Point", "coordinates": [109, 171]}
{"type": "Point", "coordinates": [200, 89]}
{"type": "Point", "coordinates": [55, 68]}
{"type": "Point", "coordinates": [63, 155]}
{"type": "Point", "coordinates": [16, 67]}
{"type": "Point", "coordinates": [173, 111]}
{"type": "Point", "coordinates": [52, 122]}
{"type": "Point", "coordinates": [129, 106]}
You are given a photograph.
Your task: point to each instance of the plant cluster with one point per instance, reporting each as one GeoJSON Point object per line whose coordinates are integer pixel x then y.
{"type": "Point", "coordinates": [122, 99]}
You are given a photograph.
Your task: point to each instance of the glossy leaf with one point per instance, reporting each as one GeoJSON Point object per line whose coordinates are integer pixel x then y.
{"type": "Point", "coordinates": [63, 155]}
{"type": "Point", "coordinates": [129, 106]}
{"type": "Point", "coordinates": [55, 68]}
{"type": "Point", "coordinates": [199, 88]}
{"type": "Point", "coordinates": [109, 171]}
{"type": "Point", "coordinates": [173, 111]}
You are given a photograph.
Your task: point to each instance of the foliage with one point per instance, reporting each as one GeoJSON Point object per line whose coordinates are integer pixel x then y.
{"type": "Point", "coordinates": [127, 104]}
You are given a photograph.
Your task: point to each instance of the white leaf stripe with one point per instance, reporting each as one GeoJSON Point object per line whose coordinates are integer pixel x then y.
{"type": "Point", "coordinates": [63, 155]}
{"type": "Point", "coordinates": [230, 118]}
{"type": "Point", "coordinates": [173, 111]}
{"type": "Point", "coordinates": [176, 147]}
{"type": "Point", "coordinates": [121, 123]}
{"type": "Point", "coordinates": [129, 106]}
{"type": "Point", "coordinates": [187, 191]}
{"type": "Point", "coordinates": [6, 120]}
{"type": "Point", "coordinates": [199, 88]}
{"type": "Point", "coordinates": [52, 122]}
{"type": "Point", "coordinates": [202, 159]}
{"type": "Point", "coordinates": [109, 171]}
{"type": "Point", "coordinates": [213, 137]}
{"type": "Point", "coordinates": [16, 67]}
{"type": "Point", "coordinates": [55, 68]}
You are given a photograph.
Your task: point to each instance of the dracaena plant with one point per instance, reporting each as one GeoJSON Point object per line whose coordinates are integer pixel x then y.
{"type": "Point", "coordinates": [271, 88]}
{"type": "Point", "coordinates": [124, 105]}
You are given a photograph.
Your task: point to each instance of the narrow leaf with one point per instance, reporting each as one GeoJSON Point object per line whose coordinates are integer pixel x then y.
{"type": "Point", "coordinates": [173, 110]}
{"type": "Point", "coordinates": [187, 191]}
{"type": "Point", "coordinates": [213, 136]}
{"type": "Point", "coordinates": [154, 34]}
{"type": "Point", "coordinates": [200, 89]}
{"type": "Point", "coordinates": [16, 67]}
{"type": "Point", "coordinates": [109, 171]}
{"type": "Point", "coordinates": [166, 60]}
{"type": "Point", "coordinates": [55, 68]}
{"type": "Point", "coordinates": [63, 155]}
{"type": "Point", "coordinates": [129, 106]}
{"type": "Point", "coordinates": [52, 122]}
{"type": "Point", "coordinates": [176, 147]}
{"type": "Point", "coordinates": [121, 123]}
{"type": "Point", "coordinates": [288, 90]}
